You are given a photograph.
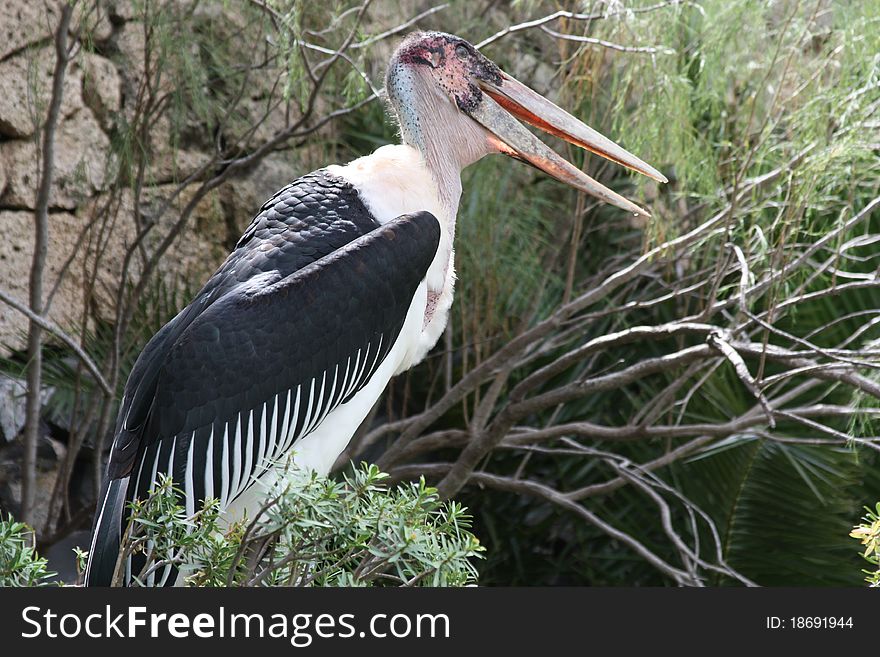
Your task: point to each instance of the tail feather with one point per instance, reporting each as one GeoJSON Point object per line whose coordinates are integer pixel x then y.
{"type": "Point", "coordinates": [107, 533]}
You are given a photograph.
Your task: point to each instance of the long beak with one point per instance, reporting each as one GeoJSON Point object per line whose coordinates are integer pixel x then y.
{"type": "Point", "coordinates": [496, 112]}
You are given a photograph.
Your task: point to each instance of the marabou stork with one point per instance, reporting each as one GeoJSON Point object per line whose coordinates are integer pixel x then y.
{"type": "Point", "coordinates": [343, 279]}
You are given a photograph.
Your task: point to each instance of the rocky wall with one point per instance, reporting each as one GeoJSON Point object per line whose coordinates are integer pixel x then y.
{"type": "Point", "coordinates": [100, 91]}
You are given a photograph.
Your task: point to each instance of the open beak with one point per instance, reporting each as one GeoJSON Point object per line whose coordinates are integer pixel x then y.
{"type": "Point", "coordinates": [504, 103]}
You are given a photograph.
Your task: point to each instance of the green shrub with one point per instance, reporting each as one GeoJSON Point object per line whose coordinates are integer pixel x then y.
{"type": "Point", "coordinates": [868, 532]}
{"type": "Point", "coordinates": [20, 565]}
{"type": "Point", "coordinates": [314, 532]}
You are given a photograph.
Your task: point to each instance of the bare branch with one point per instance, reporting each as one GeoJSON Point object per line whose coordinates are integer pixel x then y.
{"type": "Point", "coordinates": [650, 50]}
{"type": "Point", "coordinates": [539, 22]}
{"type": "Point", "coordinates": [51, 327]}
{"type": "Point", "coordinates": [719, 342]}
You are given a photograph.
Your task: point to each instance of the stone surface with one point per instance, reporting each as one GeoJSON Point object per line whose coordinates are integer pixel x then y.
{"type": "Point", "coordinates": [2, 177]}
{"type": "Point", "coordinates": [172, 165]}
{"type": "Point", "coordinates": [13, 405]}
{"type": "Point", "coordinates": [262, 118]}
{"type": "Point", "coordinates": [25, 22]}
{"type": "Point", "coordinates": [15, 261]}
{"type": "Point", "coordinates": [242, 197]}
{"type": "Point", "coordinates": [27, 89]}
{"type": "Point", "coordinates": [130, 42]}
{"type": "Point", "coordinates": [93, 19]}
{"type": "Point", "coordinates": [100, 94]}
{"type": "Point", "coordinates": [101, 88]}
{"type": "Point", "coordinates": [80, 160]}
{"type": "Point", "coordinates": [49, 453]}
{"type": "Point", "coordinates": [200, 249]}
{"type": "Point", "coordinates": [122, 10]}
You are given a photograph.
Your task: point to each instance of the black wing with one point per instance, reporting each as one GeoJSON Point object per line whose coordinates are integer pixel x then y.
{"type": "Point", "coordinates": [303, 222]}
{"type": "Point", "coordinates": [264, 353]}
{"type": "Point", "coordinates": [264, 365]}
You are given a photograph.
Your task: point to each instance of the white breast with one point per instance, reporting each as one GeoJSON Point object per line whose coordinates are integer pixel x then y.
{"type": "Point", "coordinates": [393, 181]}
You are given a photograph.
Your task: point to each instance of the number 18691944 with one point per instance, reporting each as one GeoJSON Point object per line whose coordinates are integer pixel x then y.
{"type": "Point", "coordinates": [809, 622]}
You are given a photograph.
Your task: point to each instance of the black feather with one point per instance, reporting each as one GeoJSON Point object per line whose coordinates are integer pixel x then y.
{"type": "Point", "coordinates": [312, 281]}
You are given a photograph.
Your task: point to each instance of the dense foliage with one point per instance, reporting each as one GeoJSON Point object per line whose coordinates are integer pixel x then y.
{"type": "Point", "coordinates": [734, 94]}
{"type": "Point", "coordinates": [20, 565]}
{"type": "Point", "coordinates": [312, 532]}
{"type": "Point", "coordinates": [868, 533]}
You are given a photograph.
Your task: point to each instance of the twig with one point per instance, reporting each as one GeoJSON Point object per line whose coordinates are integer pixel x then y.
{"type": "Point", "coordinates": [651, 50]}
{"type": "Point", "coordinates": [538, 22]}
{"type": "Point", "coordinates": [51, 327]}
{"type": "Point", "coordinates": [397, 29]}
{"type": "Point", "coordinates": [719, 342]}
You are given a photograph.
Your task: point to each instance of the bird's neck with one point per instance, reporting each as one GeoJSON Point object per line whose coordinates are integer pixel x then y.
{"type": "Point", "coordinates": [443, 166]}
{"type": "Point", "coordinates": [447, 140]}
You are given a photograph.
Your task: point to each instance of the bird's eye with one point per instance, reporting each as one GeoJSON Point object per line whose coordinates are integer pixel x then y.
{"type": "Point", "coordinates": [461, 51]}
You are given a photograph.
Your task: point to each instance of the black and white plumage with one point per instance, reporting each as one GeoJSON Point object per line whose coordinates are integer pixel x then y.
{"type": "Point", "coordinates": [342, 280]}
{"type": "Point", "coordinates": [269, 319]}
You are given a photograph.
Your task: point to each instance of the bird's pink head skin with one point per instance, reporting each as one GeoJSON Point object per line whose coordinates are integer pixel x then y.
{"type": "Point", "coordinates": [454, 64]}
{"type": "Point", "coordinates": [435, 77]}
